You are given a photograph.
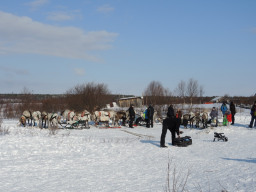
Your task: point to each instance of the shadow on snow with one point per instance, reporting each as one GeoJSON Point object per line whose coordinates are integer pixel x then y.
{"type": "Point", "coordinates": [249, 160]}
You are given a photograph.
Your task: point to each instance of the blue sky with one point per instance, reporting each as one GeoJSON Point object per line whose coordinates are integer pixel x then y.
{"type": "Point", "coordinates": [50, 46]}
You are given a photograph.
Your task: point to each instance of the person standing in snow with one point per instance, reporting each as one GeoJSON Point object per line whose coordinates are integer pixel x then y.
{"type": "Point", "coordinates": [224, 108]}
{"type": "Point", "coordinates": [169, 123]}
{"type": "Point", "coordinates": [131, 115]}
{"type": "Point", "coordinates": [150, 115]}
{"type": "Point", "coordinates": [214, 116]}
{"type": "Point", "coordinates": [232, 108]}
{"type": "Point", "coordinates": [253, 114]}
{"type": "Point", "coordinates": [145, 114]}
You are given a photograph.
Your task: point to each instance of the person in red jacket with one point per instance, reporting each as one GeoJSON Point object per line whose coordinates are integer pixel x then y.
{"type": "Point", "coordinates": [178, 119]}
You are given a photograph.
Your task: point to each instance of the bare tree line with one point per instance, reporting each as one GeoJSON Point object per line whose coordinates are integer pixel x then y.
{"type": "Point", "coordinates": [155, 93]}
{"type": "Point", "coordinates": [85, 96]}
{"type": "Point", "coordinates": [89, 96]}
{"type": "Point", "coordinates": [92, 96]}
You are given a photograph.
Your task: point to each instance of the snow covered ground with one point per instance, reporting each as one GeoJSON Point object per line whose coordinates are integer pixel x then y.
{"type": "Point", "coordinates": [125, 159]}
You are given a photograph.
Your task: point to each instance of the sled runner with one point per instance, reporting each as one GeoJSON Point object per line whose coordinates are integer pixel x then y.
{"type": "Point", "coordinates": [105, 127]}
{"type": "Point", "coordinates": [220, 136]}
{"type": "Point", "coordinates": [182, 141]}
{"type": "Point", "coordinates": [80, 124]}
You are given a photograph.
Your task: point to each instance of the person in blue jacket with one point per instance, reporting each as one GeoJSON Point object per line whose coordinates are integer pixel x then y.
{"type": "Point", "coordinates": [146, 117]}
{"type": "Point", "coordinates": [224, 108]}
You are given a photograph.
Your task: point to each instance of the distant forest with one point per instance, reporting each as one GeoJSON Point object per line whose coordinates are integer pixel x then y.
{"type": "Point", "coordinates": [93, 96]}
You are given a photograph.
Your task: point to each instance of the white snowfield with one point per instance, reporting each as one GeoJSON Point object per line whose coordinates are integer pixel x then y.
{"type": "Point", "coordinates": [126, 160]}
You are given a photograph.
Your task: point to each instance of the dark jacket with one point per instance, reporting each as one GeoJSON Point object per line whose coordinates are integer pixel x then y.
{"type": "Point", "coordinates": [150, 112]}
{"type": "Point", "coordinates": [232, 108]}
{"type": "Point", "coordinates": [170, 122]}
{"type": "Point", "coordinates": [170, 112]}
{"type": "Point", "coordinates": [131, 112]}
{"type": "Point", "coordinates": [253, 110]}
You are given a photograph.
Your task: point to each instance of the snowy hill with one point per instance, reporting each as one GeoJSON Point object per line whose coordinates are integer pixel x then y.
{"type": "Point", "coordinates": [125, 159]}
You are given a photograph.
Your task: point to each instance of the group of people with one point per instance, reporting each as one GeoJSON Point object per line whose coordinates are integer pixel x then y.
{"type": "Point", "coordinates": [148, 116]}
{"type": "Point", "coordinates": [232, 111]}
{"type": "Point", "coordinates": [228, 114]}
{"type": "Point", "coordinates": [173, 120]}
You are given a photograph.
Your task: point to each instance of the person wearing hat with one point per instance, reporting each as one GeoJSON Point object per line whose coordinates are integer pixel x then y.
{"type": "Point", "coordinates": [232, 108]}
{"type": "Point", "coordinates": [131, 115]}
{"type": "Point", "coordinates": [170, 122]}
{"type": "Point", "coordinates": [150, 115]}
{"type": "Point", "coordinates": [253, 114]}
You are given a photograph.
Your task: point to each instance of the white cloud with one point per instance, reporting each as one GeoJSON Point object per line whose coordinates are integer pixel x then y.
{"type": "Point", "coordinates": [60, 16]}
{"type": "Point", "coordinates": [105, 9]}
{"type": "Point", "coordinates": [79, 72]}
{"type": "Point", "coordinates": [13, 70]}
{"type": "Point", "coordinates": [23, 35]}
{"type": "Point", "coordinates": [37, 3]}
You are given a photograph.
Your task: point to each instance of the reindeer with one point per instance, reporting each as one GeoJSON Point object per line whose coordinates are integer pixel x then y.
{"type": "Point", "coordinates": [36, 116]}
{"type": "Point", "coordinates": [68, 115]}
{"type": "Point", "coordinates": [101, 117]}
{"type": "Point", "coordinates": [204, 116]}
{"type": "Point", "coordinates": [44, 117]}
{"type": "Point", "coordinates": [83, 116]}
{"type": "Point", "coordinates": [201, 118]}
{"type": "Point", "coordinates": [26, 116]}
{"type": "Point", "coordinates": [53, 119]}
{"type": "Point", "coordinates": [120, 115]}
{"type": "Point", "coordinates": [188, 118]}
{"type": "Point", "coordinates": [104, 116]}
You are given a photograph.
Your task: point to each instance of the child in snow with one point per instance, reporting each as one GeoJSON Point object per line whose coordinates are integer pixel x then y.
{"type": "Point", "coordinates": [227, 118]}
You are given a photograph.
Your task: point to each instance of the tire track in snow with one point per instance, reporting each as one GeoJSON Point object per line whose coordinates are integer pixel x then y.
{"type": "Point", "coordinates": [139, 135]}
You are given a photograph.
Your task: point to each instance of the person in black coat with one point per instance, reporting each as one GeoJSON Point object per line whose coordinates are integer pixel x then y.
{"type": "Point", "coordinates": [150, 115]}
{"type": "Point", "coordinates": [170, 122]}
{"type": "Point", "coordinates": [131, 115]}
{"type": "Point", "coordinates": [170, 111]}
{"type": "Point", "coordinates": [232, 108]}
{"type": "Point", "coordinates": [253, 114]}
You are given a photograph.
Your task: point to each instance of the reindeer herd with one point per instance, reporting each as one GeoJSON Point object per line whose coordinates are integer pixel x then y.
{"type": "Point", "coordinates": [195, 118]}
{"type": "Point", "coordinates": [102, 117]}
{"type": "Point", "coordinates": [69, 117]}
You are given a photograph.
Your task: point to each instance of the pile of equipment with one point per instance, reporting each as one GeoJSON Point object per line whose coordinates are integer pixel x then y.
{"type": "Point", "coordinates": [182, 141]}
